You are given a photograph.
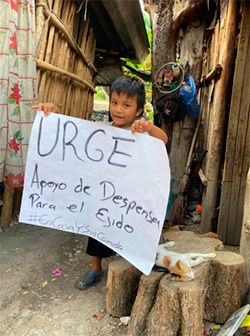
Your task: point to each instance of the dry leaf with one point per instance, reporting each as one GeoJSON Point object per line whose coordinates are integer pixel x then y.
{"type": "Point", "coordinates": [24, 293]}
{"type": "Point", "coordinates": [44, 284]}
{"type": "Point", "coordinates": [98, 316]}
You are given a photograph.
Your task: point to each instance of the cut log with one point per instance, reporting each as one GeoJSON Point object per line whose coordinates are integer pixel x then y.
{"type": "Point", "coordinates": [166, 306]}
{"type": "Point", "coordinates": [191, 310]}
{"type": "Point", "coordinates": [122, 285]}
{"type": "Point", "coordinates": [188, 241]}
{"type": "Point", "coordinates": [226, 287]}
{"type": "Point", "coordinates": [178, 307]}
{"type": "Point", "coordinates": [144, 302]}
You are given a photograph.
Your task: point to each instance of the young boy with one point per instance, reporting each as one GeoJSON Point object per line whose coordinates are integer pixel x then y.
{"type": "Point", "coordinates": [127, 99]}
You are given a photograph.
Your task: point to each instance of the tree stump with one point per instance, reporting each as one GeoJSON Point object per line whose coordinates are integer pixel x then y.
{"type": "Point", "coordinates": [165, 306]}
{"type": "Point", "coordinates": [226, 286]}
{"type": "Point", "coordinates": [144, 302]}
{"type": "Point", "coordinates": [122, 285]}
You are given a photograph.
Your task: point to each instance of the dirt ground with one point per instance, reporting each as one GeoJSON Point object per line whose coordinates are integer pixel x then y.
{"type": "Point", "coordinates": [35, 302]}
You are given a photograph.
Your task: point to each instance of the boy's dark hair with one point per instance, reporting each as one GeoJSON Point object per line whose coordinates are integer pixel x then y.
{"type": "Point", "coordinates": [132, 86]}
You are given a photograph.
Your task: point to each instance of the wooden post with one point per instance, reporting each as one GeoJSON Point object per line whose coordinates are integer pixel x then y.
{"type": "Point", "coordinates": [245, 234]}
{"type": "Point", "coordinates": [8, 198]}
{"type": "Point", "coordinates": [17, 202]}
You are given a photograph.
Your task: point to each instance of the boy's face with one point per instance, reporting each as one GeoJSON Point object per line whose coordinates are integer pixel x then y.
{"type": "Point", "coordinates": [123, 109]}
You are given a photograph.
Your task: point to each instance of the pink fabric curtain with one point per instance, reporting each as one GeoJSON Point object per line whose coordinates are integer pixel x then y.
{"type": "Point", "coordinates": [18, 87]}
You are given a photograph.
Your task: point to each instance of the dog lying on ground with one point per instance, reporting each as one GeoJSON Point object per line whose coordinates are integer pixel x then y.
{"type": "Point", "coordinates": [179, 263]}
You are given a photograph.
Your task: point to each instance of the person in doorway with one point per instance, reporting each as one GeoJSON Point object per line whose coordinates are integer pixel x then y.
{"type": "Point", "coordinates": [127, 99]}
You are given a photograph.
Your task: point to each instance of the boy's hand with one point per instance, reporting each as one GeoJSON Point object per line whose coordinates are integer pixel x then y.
{"type": "Point", "coordinates": [47, 108]}
{"type": "Point", "coordinates": [142, 126]}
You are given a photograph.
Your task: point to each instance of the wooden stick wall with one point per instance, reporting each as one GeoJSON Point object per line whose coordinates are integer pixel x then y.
{"type": "Point", "coordinates": [65, 56]}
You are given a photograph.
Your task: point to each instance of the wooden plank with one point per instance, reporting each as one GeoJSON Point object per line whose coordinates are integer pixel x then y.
{"type": "Point", "coordinates": [245, 167]}
{"type": "Point", "coordinates": [223, 214]}
{"type": "Point", "coordinates": [235, 146]}
{"type": "Point", "coordinates": [238, 87]}
{"type": "Point", "coordinates": [222, 89]}
{"type": "Point", "coordinates": [243, 144]}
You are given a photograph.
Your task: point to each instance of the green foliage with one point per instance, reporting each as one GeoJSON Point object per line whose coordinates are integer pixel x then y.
{"type": "Point", "coordinates": [100, 95]}
{"type": "Point", "coordinates": [146, 64]}
{"type": "Point", "coordinates": [147, 23]}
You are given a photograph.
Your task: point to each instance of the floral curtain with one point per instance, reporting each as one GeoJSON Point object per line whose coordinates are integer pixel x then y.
{"type": "Point", "coordinates": [18, 87]}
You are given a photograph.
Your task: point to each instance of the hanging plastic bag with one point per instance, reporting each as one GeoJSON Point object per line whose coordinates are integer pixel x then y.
{"type": "Point", "coordinates": [189, 97]}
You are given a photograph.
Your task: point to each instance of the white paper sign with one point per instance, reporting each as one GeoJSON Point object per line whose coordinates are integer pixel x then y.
{"type": "Point", "coordinates": [100, 181]}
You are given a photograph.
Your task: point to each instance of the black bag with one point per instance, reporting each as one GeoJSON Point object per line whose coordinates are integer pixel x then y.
{"type": "Point", "coordinates": [171, 107]}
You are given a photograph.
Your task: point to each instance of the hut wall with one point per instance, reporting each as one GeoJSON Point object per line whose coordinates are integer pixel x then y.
{"type": "Point", "coordinates": [225, 122]}
{"type": "Point", "coordinates": [65, 53]}
{"type": "Point", "coordinates": [214, 38]}
{"type": "Point", "coordinates": [237, 154]}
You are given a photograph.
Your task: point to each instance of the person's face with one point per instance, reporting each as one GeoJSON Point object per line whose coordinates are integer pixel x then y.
{"type": "Point", "coordinates": [123, 109]}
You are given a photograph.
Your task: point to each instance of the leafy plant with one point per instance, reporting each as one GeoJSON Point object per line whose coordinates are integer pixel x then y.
{"type": "Point", "coordinates": [100, 95]}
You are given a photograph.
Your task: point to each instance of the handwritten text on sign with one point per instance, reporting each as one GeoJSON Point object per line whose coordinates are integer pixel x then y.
{"type": "Point", "coordinates": [100, 181]}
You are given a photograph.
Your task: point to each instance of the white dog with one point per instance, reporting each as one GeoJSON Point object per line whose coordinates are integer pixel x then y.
{"type": "Point", "coordinates": [179, 263]}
